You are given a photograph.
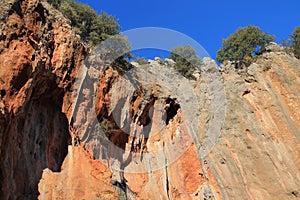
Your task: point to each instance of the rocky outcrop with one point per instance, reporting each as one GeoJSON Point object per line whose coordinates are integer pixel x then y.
{"type": "Point", "coordinates": [258, 143]}
{"type": "Point", "coordinates": [258, 155]}
{"type": "Point", "coordinates": [253, 157]}
{"type": "Point", "coordinates": [144, 122]}
{"type": "Point", "coordinates": [145, 133]}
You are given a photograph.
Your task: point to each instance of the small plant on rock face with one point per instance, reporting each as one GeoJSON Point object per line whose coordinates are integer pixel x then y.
{"type": "Point", "coordinates": [104, 124]}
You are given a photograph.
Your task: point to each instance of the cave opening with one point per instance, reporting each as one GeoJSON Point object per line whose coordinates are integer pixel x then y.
{"type": "Point", "coordinates": [171, 108]}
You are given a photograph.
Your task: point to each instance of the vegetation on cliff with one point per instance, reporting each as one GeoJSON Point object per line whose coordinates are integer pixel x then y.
{"type": "Point", "coordinates": [244, 44]}
{"type": "Point", "coordinates": [92, 27]}
{"type": "Point", "coordinates": [240, 47]}
{"type": "Point", "coordinates": [296, 41]}
{"type": "Point", "coordinates": [185, 59]}
{"type": "Point", "coordinates": [293, 42]}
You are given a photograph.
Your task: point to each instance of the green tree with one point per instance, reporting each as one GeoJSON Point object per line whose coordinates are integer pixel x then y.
{"type": "Point", "coordinates": [55, 3]}
{"type": "Point", "coordinates": [185, 59]}
{"type": "Point", "coordinates": [69, 12]}
{"type": "Point", "coordinates": [91, 27]}
{"type": "Point", "coordinates": [114, 47]}
{"type": "Point", "coordinates": [295, 37]}
{"type": "Point", "coordinates": [103, 26]}
{"type": "Point", "coordinates": [114, 51]}
{"type": "Point", "coordinates": [244, 44]}
{"type": "Point", "coordinates": [85, 17]}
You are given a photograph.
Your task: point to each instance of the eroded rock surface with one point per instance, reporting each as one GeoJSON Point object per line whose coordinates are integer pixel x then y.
{"type": "Point", "coordinates": [152, 133]}
{"type": "Point", "coordinates": [81, 178]}
{"type": "Point", "coordinates": [257, 145]}
{"type": "Point", "coordinates": [258, 154]}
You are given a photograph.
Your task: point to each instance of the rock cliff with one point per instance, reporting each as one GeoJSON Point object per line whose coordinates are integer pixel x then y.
{"type": "Point", "coordinates": [145, 133]}
{"type": "Point", "coordinates": [39, 54]}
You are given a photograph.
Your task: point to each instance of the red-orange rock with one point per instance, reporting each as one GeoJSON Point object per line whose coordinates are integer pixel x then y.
{"type": "Point", "coordinates": [81, 178]}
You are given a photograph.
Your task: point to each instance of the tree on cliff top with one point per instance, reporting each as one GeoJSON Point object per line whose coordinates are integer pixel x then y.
{"type": "Point", "coordinates": [103, 27]}
{"type": "Point", "coordinates": [295, 37]}
{"type": "Point", "coordinates": [186, 60]}
{"type": "Point", "coordinates": [244, 44]}
{"type": "Point", "coordinates": [91, 26]}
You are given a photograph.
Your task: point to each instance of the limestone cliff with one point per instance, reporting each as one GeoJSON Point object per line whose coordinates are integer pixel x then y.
{"type": "Point", "coordinates": [254, 157]}
{"type": "Point", "coordinates": [39, 56]}
{"type": "Point", "coordinates": [145, 133]}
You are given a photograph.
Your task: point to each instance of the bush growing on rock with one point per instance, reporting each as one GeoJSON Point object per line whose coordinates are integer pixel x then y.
{"type": "Point", "coordinates": [94, 28]}
{"type": "Point", "coordinates": [186, 60]}
{"type": "Point", "coordinates": [55, 3]}
{"type": "Point", "coordinates": [103, 26]}
{"type": "Point", "coordinates": [243, 45]}
{"type": "Point", "coordinates": [115, 51]}
{"type": "Point", "coordinates": [295, 38]}
{"type": "Point", "coordinates": [91, 26]}
{"type": "Point", "coordinates": [141, 61]}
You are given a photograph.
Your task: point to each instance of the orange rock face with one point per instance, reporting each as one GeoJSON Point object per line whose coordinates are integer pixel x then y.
{"type": "Point", "coordinates": [80, 178]}
{"type": "Point", "coordinates": [39, 54]}
{"type": "Point", "coordinates": [260, 141]}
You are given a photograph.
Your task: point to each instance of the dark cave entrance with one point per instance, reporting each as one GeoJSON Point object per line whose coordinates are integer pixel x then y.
{"type": "Point", "coordinates": [171, 108]}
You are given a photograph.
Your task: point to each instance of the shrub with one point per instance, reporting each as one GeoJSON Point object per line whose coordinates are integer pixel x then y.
{"type": "Point", "coordinates": [114, 47]}
{"type": "Point", "coordinates": [103, 26]}
{"type": "Point", "coordinates": [92, 27]}
{"type": "Point", "coordinates": [295, 37]}
{"type": "Point", "coordinates": [186, 60]}
{"type": "Point", "coordinates": [55, 3]}
{"type": "Point", "coordinates": [243, 45]}
{"type": "Point", "coordinates": [141, 61]}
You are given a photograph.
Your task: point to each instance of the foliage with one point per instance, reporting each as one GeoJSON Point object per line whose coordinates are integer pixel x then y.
{"type": "Point", "coordinates": [287, 43]}
{"type": "Point", "coordinates": [91, 26]}
{"type": "Point", "coordinates": [295, 37]}
{"type": "Point", "coordinates": [186, 60]}
{"type": "Point", "coordinates": [103, 26]}
{"type": "Point", "coordinates": [141, 61]}
{"type": "Point", "coordinates": [244, 44]}
{"type": "Point", "coordinates": [99, 30]}
{"type": "Point", "coordinates": [104, 125]}
{"type": "Point", "coordinates": [114, 47]}
{"type": "Point", "coordinates": [55, 3]}
{"type": "Point", "coordinates": [115, 51]}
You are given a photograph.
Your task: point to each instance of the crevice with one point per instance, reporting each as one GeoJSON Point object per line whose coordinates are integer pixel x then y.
{"type": "Point", "coordinates": [19, 81]}
{"type": "Point", "coordinates": [167, 178]}
{"type": "Point", "coordinates": [16, 8]}
{"type": "Point", "coordinates": [41, 11]}
{"type": "Point", "coordinates": [2, 93]}
{"type": "Point", "coordinates": [121, 188]}
{"type": "Point", "coordinates": [295, 193]}
{"type": "Point", "coordinates": [2, 37]}
{"type": "Point", "coordinates": [145, 118]}
{"type": "Point", "coordinates": [246, 92]}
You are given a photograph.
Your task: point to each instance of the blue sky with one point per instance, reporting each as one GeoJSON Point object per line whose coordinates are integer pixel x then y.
{"type": "Point", "coordinates": [207, 22]}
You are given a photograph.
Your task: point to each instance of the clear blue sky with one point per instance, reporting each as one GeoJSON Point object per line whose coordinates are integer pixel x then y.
{"type": "Point", "coordinates": [208, 22]}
